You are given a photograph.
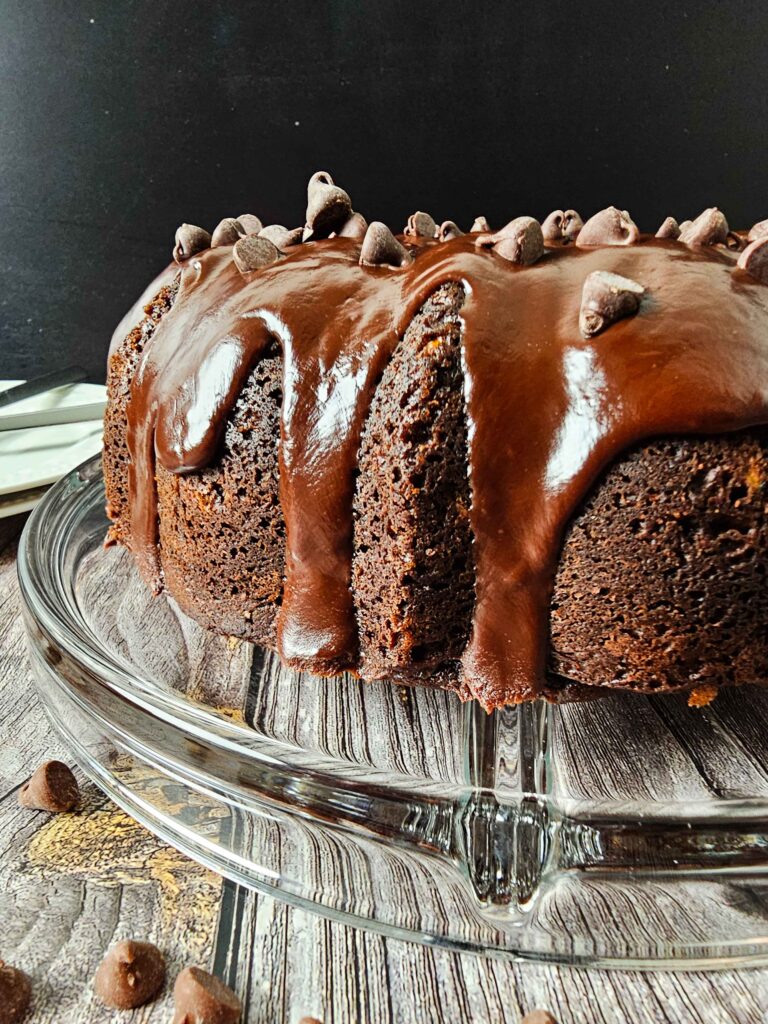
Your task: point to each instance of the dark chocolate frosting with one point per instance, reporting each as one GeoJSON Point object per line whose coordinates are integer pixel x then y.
{"type": "Point", "coordinates": [547, 409]}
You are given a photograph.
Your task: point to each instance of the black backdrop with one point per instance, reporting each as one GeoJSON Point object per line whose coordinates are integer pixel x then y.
{"type": "Point", "coordinates": [119, 120]}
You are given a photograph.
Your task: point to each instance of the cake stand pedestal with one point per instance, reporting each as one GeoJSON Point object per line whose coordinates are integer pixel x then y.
{"type": "Point", "coordinates": [628, 832]}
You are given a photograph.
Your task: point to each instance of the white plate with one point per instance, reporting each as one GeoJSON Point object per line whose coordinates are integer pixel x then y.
{"type": "Point", "coordinates": [37, 456]}
{"type": "Point", "coordinates": [22, 502]}
{"type": "Point", "coordinates": [73, 402]}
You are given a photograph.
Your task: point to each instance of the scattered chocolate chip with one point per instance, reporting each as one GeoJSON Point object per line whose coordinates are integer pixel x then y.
{"type": "Point", "coordinates": [190, 239]}
{"type": "Point", "coordinates": [252, 253]}
{"type": "Point", "coordinates": [709, 228]}
{"type": "Point", "coordinates": [759, 230]}
{"type": "Point", "coordinates": [608, 227]}
{"type": "Point", "coordinates": [754, 259]}
{"type": "Point", "coordinates": [480, 224]}
{"type": "Point", "coordinates": [606, 298]}
{"type": "Point", "coordinates": [130, 975]}
{"type": "Point", "coordinates": [381, 248]}
{"type": "Point", "coordinates": [201, 998]}
{"type": "Point", "coordinates": [538, 1017]}
{"type": "Point", "coordinates": [250, 223]}
{"type": "Point", "coordinates": [227, 232]}
{"type": "Point", "coordinates": [328, 206]}
{"type": "Point", "coordinates": [520, 241]}
{"type": "Point", "coordinates": [52, 787]}
{"type": "Point", "coordinates": [669, 229]}
{"type": "Point", "coordinates": [734, 241]}
{"type": "Point", "coordinates": [15, 994]}
{"type": "Point", "coordinates": [354, 226]}
{"type": "Point", "coordinates": [282, 238]}
{"type": "Point", "coordinates": [421, 225]}
{"type": "Point", "coordinates": [448, 230]}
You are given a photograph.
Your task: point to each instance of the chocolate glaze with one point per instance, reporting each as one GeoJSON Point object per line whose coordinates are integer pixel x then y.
{"type": "Point", "coordinates": [547, 410]}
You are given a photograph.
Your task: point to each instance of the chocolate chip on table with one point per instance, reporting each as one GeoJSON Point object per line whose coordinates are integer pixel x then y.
{"type": "Point", "coordinates": [130, 975]}
{"type": "Point", "coordinates": [52, 787]}
{"type": "Point", "coordinates": [538, 1017]}
{"type": "Point", "coordinates": [606, 298]}
{"type": "Point", "coordinates": [190, 239]}
{"type": "Point", "coordinates": [201, 998]}
{"type": "Point", "coordinates": [381, 248]}
{"type": "Point", "coordinates": [253, 253]}
{"type": "Point", "coordinates": [15, 994]}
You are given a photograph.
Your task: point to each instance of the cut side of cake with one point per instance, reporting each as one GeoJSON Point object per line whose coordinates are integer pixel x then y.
{"type": "Point", "coordinates": [504, 464]}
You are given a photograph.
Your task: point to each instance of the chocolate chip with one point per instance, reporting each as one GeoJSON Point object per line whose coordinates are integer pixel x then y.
{"type": "Point", "coordinates": [520, 241]}
{"type": "Point", "coordinates": [52, 787]}
{"type": "Point", "coordinates": [669, 229]}
{"type": "Point", "coordinates": [15, 994]}
{"type": "Point", "coordinates": [606, 298]}
{"type": "Point", "coordinates": [608, 227]}
{"type": "Point", "coordinates": [328, 206]}
{"type": "Point", "coordinates": [480, 224]}
{"type": "Point", "coordinates": [734, 241]}
{"type": "Point", "coordinates": [253, 253]}
{"type": "Point", "coordinates": [130, 975]}
{"type": "Point", "coordinates": [709, 228]}
{"type": "Point", "coordinates": [227, 232]}
{"type": "Point", "coordinates": [190, 239]}
{"type": "Point", "coordinates": [250, 223]}
{"type": "Point", "coordinates": [381, 248]}
{"type": "Point", "coordinates": [538, 1017]}
{"type": "Point", "coordinates": [572, 225]}
{"type": "Point", "coordinates": [759, 230]}
{"type": "Point", "coordinates": [552, 226]}
{"type": "Point", "coordinates": [562, 226]}
{"type": "Point", "coordinates": [282, 238]}
{"type": "Point", "coordinates": [201, 998]}
{"type": "Point", "coordinates": [421, 225]}
{"type": "Point", "coordinates": [448, 230]}
{"type": "Point", "coordinates": [754, 259]}
{"type": "Point", "coordinates": [354, 226]}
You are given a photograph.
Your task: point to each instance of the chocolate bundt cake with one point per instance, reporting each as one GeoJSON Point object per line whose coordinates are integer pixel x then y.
{"type": "Point", "coordinates": [521, 463]}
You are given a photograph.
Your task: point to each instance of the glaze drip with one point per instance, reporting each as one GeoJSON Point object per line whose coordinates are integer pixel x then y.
{"type": "Point", "coordinates": [547, 410]}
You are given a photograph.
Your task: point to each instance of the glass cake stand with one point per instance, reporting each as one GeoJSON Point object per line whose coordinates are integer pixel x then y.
{"type": "Point", "coordinates": [629, 831]}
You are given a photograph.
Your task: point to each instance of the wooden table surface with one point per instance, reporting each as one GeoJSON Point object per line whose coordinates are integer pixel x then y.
{"type": "Point", "coordinates": [72, 884]}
